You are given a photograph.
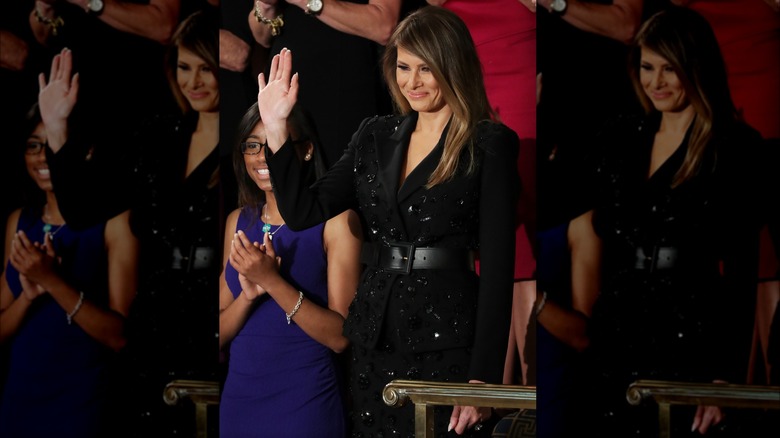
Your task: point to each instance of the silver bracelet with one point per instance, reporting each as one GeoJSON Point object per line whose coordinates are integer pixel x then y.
{"type": "Point", "coordinates": [73, 312]}
{"type": "Point", "coordinates": [541, 303]}
{"type": "Point", "coordinates": [295, 309]}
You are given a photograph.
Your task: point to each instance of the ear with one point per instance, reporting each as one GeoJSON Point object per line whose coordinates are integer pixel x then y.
{"type": "Point", "coordinates": [309, 151]}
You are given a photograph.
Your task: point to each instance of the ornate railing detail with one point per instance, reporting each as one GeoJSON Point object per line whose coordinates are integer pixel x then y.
{"type": "Point", "coordinates": [425, 395]}
{"type": "Point", "coordinates": [711, 394]}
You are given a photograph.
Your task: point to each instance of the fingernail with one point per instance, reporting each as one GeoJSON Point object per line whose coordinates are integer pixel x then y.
{"type": "Point", "coordinates": [449, 426]}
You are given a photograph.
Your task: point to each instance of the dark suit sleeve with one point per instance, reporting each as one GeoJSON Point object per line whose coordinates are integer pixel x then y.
{"type": "Point", "coordinates": [89, 191]}
{"type": "Point", "coordinates": [303, 207]}
{"type": "Point", "coordinates": [738, 181]}
{"type": "Point", "coordinates": [500, 185]}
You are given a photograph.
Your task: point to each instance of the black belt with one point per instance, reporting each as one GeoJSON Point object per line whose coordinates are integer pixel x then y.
{"type": "Point", "coordinates": [193, 257]}
{"type": "Point", "coordinates": [659, 258]}
{"type": "Point", "coordinates": [403, 257]}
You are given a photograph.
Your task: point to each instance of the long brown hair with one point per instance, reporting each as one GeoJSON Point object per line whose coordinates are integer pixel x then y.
{"type": "Point", "coordinates": [442, 40]}
{"type": "Point", "coordinates": [686, 40]}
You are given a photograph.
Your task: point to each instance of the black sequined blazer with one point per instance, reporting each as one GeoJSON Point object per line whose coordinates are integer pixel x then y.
{"type": "Point", "coordinates": [426, 310]}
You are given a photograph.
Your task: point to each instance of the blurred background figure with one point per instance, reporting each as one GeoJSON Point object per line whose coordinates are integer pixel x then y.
{"type": "Point", "coordinates": [679, 239]}
{"type": "Point", "coordinates": [65, 296]}
{"type": "Point", "coordinates": [168, 175]}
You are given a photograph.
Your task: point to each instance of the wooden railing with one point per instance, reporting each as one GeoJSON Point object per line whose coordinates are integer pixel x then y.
{"type": "Point", "coordinates": [667, 394]}
{"type": "Point", "coordinates": [201, 393]}
{"type": "Point", "coordinates": [425, 395]}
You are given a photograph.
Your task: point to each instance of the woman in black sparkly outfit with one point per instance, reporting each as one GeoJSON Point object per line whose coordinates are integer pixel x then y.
{"type": "Point", "coordinates": [679, 237]}
{"type": "Point", "coordinates": [170, 181]}
{"type": "Point", "coordinates": [432, 186]}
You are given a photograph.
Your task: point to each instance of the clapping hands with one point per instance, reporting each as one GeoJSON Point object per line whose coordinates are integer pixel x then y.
{"type": "Point", "coordinates": [34, 261]}
{"type": "Point", "coordinates": [256, 264]}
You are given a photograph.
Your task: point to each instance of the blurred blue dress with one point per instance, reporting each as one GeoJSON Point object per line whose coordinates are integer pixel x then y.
{"type": "Point", "coordinates": [57, 374]}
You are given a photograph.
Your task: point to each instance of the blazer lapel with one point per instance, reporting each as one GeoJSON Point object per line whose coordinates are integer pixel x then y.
{"type": "Point", "coordinates": [420, 174]}
{"type": "Point", "coordinates": [390, 153]}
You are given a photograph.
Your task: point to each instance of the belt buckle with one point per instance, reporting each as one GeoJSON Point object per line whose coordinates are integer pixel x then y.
{"type": "Point", "coordinates": [646, 262]}
{"type": "Point", "coordinates": [654, 260]}
{"type": "Point", "coordinates": [402, 252]}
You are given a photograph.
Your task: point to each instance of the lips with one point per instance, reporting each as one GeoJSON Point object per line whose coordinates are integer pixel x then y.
{"type": "Point", "coordinates": [196, 96]}
{"type": "Point", "coordinates": [660, 96]}
{"type": "Point", "coordinates": [417, 95]}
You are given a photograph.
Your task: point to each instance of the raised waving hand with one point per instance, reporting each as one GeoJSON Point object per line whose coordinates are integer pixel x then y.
{"type": "Point", "coordinates": [277, 97]}
{"type": "Point", "coordinates": [57, 98]}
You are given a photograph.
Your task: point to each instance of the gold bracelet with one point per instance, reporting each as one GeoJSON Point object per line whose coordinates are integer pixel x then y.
{"type": "Point", "coordinates": [53, 24]}
{"type": "Point", "coordinates": [276, 24]}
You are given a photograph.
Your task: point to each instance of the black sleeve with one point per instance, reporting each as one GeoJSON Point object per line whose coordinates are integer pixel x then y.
{"type": "Point", "coordinates": [739, 181]}
{"type": "Point", "coordinates": [303, 207]}
{"type": "Point", "coordinates": [499, 190]}
{"type": "Point", "coordinates": [91, 183]}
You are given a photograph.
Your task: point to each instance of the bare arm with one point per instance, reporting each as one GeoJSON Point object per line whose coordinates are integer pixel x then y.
{"type": "Point", "coordinates": [233, 51]}
{"type": "Point", "coordinates": [233, 313]}
{"type": "Point", "coordinates": [374, 21]}
{"type": "Point", "coordinates": [43, 21]}
{"type": "Point", "coordinates": [156, 20]}
{"type": "Point", "coordinates": [619, 20]}
{"type": "Point", "coordinates": [106, 326]}
{"type": "Point", "coordinates": [12, 310]}
{"type": "Point", "coordinates": [122, 248]}
{"type": "Point", "coordinates": [570, 325]}
{"type": "Point", "coordinates": [324, 325]}
{"type": "Point", "coordinates": [262, 32]}
{"type": "Point", "coordinates": [13, 51]}
{"type": "Point", "coordinates": [585, 263]}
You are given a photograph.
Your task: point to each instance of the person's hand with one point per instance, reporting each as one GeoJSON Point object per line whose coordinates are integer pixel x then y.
{"type": "Point", "coordinates": [251, 290]}
{"type": "Point", "coordinates": [277, 97]}
{"type": "Point", "coordinates": [30, 290]}
{"type": "Point", "coordinates": [257, 263]}
{"type": "Point", "coordinates": [466, 417]}
{"type": "Point", "coordinates": [57, 98]}
{"type": "Point", "coordinates": [33, 260]}
{"type": "Point", "coordinates": [705, 417]}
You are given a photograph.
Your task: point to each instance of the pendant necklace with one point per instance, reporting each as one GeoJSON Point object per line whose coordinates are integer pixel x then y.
{"type": "Point", "coordinates": [266, 225]}
{"type": "Point", "coordinates": [47, 226]}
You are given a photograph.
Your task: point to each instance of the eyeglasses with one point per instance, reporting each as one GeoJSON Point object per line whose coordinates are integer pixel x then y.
{"type": "Point", "coordinates": [35, 147]}
{"type": "Point", "coordinates": [252, 147]}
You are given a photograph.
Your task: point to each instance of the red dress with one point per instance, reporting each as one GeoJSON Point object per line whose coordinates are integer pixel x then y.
{"type": "Point", "coordinates": [504, 32]}
{"type": "Point", "coordinates": [748, 32]}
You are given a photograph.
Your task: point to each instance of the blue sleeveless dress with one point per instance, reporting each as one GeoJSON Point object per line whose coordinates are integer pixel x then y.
{"type": "Point", "coordinates": [281, 382]}
{"type": "Point", "coordinates": [57, 374]}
